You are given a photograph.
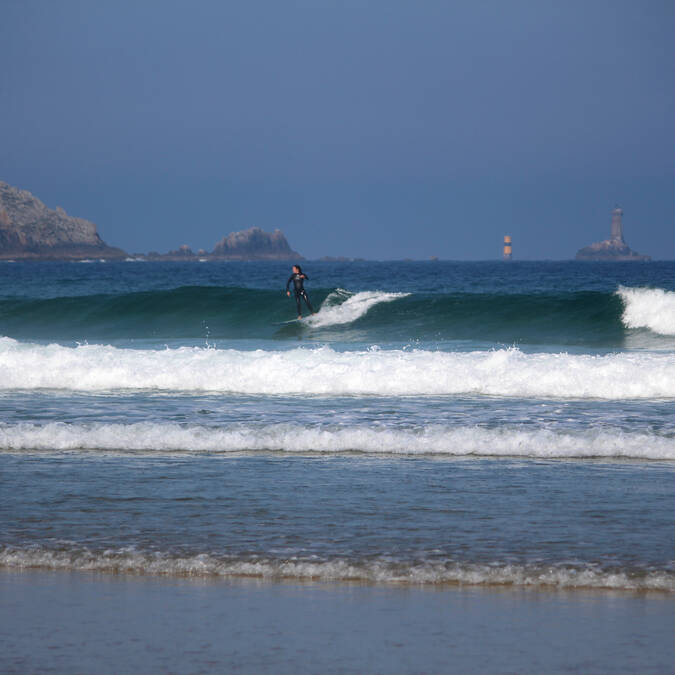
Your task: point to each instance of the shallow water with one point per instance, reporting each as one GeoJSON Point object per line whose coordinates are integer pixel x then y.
{"type": "Point", "coordinates": [79, 623]}
{"type": "Point", "coordinates": [561, 524]}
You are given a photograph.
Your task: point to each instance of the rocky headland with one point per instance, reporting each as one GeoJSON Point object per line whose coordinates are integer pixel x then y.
{"type": "Point", "coordinates": [31, 231]}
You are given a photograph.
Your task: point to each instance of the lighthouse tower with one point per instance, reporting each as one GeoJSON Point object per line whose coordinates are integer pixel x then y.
{"type": "Point", "coordinates": [617, 226]}
{"type": "Point", "coordinates": [508, 249]}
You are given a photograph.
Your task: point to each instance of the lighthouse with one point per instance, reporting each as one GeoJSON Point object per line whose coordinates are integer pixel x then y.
{"type": "Point", "coordinates": [617, 226]}
{"type": "Point", "coordinates": [508, 252]}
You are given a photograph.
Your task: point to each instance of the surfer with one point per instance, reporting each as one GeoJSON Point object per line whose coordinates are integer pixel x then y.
{"type": "Point", "coordinates": [298, 278]}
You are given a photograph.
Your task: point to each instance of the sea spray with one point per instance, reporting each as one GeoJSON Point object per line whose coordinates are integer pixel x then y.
{"type": "Point", "coordinates": [342, 307]}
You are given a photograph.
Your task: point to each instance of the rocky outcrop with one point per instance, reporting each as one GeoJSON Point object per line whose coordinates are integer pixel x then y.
{"type": "Point", "coordinates": [251, 244]}
{"type": "Point", "coordinates": [612, 249]}
{"type": "Point", "coordinates": [30, 230]}
{"type": "Point", "coordinates": [183, 251]}
{"type": "Point", "coordinates": [255, 244]}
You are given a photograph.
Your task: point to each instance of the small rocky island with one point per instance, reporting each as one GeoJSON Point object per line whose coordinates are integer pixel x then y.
{"type": "Point", "coordinates": [31, 231]}
{"type": "Point", "coordinates": [614, 248]}
{"type": "Point", "coordinates": [251, 244]}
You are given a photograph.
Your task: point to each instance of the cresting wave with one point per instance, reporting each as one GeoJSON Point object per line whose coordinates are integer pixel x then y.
{"type": "Point", "coordinates": [652, 308]}
{"type": "Point", "coordinates": [152, 438]}
{"type": "Point", "coordinates": [565, 317]}
{"type": "Point", "coordinates": [377, 570]}
{"type": "Point", "coordinates": [188, 311]}
{"type": "Point", "coordinates": [324, 371]}
{"type": "Point", "coordinates": [342, 307]}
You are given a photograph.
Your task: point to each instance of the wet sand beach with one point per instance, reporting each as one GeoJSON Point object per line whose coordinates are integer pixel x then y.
{"type": "Point", "coordinates": [75, 622]}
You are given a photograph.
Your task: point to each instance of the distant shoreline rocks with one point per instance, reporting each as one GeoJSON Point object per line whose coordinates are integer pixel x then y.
{"type": "Point", "coordinates": [29, 230]}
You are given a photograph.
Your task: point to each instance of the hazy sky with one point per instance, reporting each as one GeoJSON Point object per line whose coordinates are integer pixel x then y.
{"type": "Point", "coordinates": [382, 129]}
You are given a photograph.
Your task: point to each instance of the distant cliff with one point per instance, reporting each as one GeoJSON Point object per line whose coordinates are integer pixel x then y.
{"type": "Point", "coordinates": [30, 230]}
{"type": "Point", "coordinates": [612, 249]}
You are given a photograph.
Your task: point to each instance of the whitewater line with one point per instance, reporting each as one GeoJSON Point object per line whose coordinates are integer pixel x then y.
{"type": "Point", "coordinates": [324, 371]}
{"type": "Point", "coordinates": [171, 438]}
{"type": "Point", "coordinates": [129, 560]}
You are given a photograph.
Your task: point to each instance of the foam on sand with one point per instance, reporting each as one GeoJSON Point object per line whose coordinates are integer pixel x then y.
{"type": "Point", "coordinates": [652, 308]}
{"type": "Point", "coordinates": [170, 438]}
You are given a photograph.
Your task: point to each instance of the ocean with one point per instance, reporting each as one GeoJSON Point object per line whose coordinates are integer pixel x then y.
{"type": "Point", "coordinates": [445, 449]}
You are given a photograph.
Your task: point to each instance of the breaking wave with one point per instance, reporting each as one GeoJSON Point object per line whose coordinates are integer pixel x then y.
{"type": "Point", "coordinates": [342, 307]}
{"type": "Point", "coordinates": [374, 570]}
{"type": "Point", "coordinates": [325, 371]}
{"type": "Point", "coordinates": [195, 312]}
{"type": "Point", "coordinates": [652, 308]}
{"type": "Point", "coordinates": [153, 438]}
{"type": "Point", "coordinates": [185, 312]}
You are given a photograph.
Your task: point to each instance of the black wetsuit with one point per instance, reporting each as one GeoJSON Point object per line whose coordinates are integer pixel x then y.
{"type": "Point", "coordinates": [298, 280]}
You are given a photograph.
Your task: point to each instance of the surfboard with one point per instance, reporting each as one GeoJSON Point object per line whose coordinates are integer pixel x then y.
{"type": "Point", "coordinates": [285, 323]}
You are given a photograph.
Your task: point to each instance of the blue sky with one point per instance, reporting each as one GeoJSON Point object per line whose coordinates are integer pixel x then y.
{"type": "Point", "coordinates": [377, 129]}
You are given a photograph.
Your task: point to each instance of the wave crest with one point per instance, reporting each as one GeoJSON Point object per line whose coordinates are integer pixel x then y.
{"type": "Point", "coordinates": [652, 308]}
{"type": "Point", "coordinates": [194, 312]}
{"type": "Point", "coordinates": [342, 307]}
{"type": "Point", "coordinates": [170, 438]}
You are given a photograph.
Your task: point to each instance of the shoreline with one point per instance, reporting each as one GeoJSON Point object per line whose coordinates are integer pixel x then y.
{"type": "Point", "coordinates": [204, 568]}
{"type": "Point", "coordinates": [549, 592]}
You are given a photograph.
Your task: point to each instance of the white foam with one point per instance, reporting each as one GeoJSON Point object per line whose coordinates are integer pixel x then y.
{"type": "Point", "coordinates": [324, 371]}
{"type": "Point", "coordinates": [342, 307]}
{"type": "Point", "coordinates": [652, 308]}
{"type": "Point", "coordinates": [383, 571]}
{"type": "Point", "coordinates": [296, 438]}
